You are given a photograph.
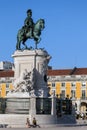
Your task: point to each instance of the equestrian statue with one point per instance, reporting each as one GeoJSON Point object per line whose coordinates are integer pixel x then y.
{"type": "Point", "coordinates": [30, 30]}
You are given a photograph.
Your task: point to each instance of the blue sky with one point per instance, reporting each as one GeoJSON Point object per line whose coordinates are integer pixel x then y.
{"type": "Point", "coordinates": [64, 36]}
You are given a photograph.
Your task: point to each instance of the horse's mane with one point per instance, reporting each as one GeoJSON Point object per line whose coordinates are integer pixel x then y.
{"type": "Point", "coordinates": [39, 20]}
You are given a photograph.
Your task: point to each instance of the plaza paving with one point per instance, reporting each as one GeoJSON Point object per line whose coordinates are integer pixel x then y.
{"type": "Point", "coordinates": [82, 124]}
{"type": "Point", "coordinates": [53, 128]}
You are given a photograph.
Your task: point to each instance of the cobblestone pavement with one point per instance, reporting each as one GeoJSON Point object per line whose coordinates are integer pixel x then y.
{"type": "Point", "coordinates": [53, 128]}
{"type": "Point", "coordinates": [82, 124]}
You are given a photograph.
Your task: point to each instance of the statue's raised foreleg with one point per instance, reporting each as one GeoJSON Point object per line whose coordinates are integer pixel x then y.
{"type": "Point", "coordinates": [37, 40]}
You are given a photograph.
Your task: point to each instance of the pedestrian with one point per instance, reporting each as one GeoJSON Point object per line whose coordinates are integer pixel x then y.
{"type": "Point", "coordinates": [34, 122]}
{"type": "Point", "coordinates": [28, 123]}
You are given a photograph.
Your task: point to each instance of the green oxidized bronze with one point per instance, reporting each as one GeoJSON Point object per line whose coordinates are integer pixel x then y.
{"type": "Point", "coordinates": [30, 30]}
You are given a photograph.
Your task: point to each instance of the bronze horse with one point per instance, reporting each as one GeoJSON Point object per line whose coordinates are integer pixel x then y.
{"type": "Point", "coordinates": [36, 32]}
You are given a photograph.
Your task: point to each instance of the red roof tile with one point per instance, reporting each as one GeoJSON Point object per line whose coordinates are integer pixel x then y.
{"type": "Point", "coordinates": [6, 73]}
{"type": "Point", "coordinates": [74, 71]}
{"type": "Point", "coordinates": [81, 71]}
{"type": "Point", "coordinates": [58, 72]}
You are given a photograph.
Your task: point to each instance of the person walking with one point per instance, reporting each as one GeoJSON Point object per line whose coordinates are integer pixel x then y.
{"type": "Point", "coordinates": [28, 123]}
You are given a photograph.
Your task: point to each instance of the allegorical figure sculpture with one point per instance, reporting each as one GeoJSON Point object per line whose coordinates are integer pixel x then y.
{"type": "Point", "coordinates": [30, 30]}
{"type": "Point", "coordinates": [25, 83]}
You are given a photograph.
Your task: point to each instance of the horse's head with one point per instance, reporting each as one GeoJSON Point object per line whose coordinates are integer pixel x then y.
{"type": "Point", "coordinates": [40, 24]}
{"type": "Point", "coordinates": [38, 27]}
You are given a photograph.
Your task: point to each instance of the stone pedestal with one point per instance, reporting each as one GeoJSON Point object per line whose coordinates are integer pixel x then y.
{"type": "Point", "coordinates": [30, 59]}
{"type": "Point", "coordinates": [36, 60]}
{"type": "Point", "coordinates": [42, 107]}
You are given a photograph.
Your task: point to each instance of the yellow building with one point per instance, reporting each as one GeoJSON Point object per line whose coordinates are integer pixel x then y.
{"type": "Point", "coordinates": [71, 82]}
{"type": "Point", "coordinates": [6, 78]}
